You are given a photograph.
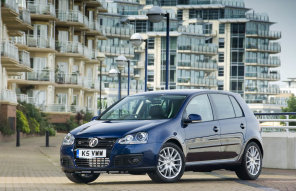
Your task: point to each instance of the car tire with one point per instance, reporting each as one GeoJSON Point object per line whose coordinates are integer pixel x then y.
{"type": "Point", "coordinates": [170, 166]}
{"type": "Point", "coordinates": [251, 165]}
{"type": "Point", "coordinates": [82, 178]}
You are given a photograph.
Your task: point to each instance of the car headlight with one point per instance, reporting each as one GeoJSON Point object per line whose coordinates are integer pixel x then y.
{"type": "Point", "coordinates": [138, 138]}
{"type": "Point", "coordinates": [69, 139]}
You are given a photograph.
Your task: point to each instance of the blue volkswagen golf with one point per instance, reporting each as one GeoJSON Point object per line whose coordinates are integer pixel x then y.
{"type": "Point", "coordinates": [165, 133]}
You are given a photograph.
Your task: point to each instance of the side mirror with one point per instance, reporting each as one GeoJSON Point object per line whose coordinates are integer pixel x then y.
{"type": "Point", "coordinates": [94, 118]}
{"type": "Point", "coordinates": [193, 118]}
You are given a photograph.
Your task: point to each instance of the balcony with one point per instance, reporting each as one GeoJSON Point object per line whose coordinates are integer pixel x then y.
{"type": "Point", "coordinates": [42, 75]}
{"type": "Point", "coordinates": [64, 108]}
{"type": "Point", "coordinates": [71, 18]}
{"type": "Point", "coordinates": [272, 76]}
{"type": "Point", "coordinates": [202, 65]}
{"type": "Point", "coordinates": [42, 11]}
{"type": "Point", "coordinates": [271, 62]}
{"type": "Point", "coordinates": [90, 84]}
{"type": "Point", "coordinates": [40, 43]}
{"type": "Point", "coordinates": [62, 78]}
{"type": "Point", "coordinates": [8, 96]}
{"type": "Point", "coordinates": [95, 30]}
{"type": "Point", "coordinates": [25, 98]}
{"type": "Point", "coordinates": [9, 8]}
{"type": "Point", "coordinates": [116, 51]}
{"type": "Point", "coordinates": [120, 32]}
{"type": "Point", "coordinates": [71, 48]}
{"type": "Point", "coordinates": [210, 49]}
{"type": "Point", "coordinates": [261, 17]}
{"type": "Point", "coordinates": [272, 48]}
{"type": "Point", "coordinates": [264, 91]}
{"type": "Point", "coordinates": [196, 30]}
{"type": "Point", "coordinates": [271, 35]}
{"type": "Point", "coordinates": [197, 82]}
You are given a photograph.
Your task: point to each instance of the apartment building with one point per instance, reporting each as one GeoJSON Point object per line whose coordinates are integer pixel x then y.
{"type": "Point", "coordinates": [247, 47]}
{"type": "Point", "coordinates": [54, 46]}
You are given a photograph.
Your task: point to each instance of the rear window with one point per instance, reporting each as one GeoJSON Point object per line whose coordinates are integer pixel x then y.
{"type": "Point", "coordinates": [223, 106]}
{"type": "Point", "coordinates": [237, 109]}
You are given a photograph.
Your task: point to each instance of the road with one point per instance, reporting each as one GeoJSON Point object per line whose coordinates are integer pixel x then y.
{"type": "Point", "coordinates": [35, 167]}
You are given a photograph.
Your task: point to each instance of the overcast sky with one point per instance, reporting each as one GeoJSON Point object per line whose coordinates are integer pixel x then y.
{"type": "Point", "coordinates": [284, 13]}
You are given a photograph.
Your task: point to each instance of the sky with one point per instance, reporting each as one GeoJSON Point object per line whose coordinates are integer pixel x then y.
{"type": "Point", "coordinates": [283, 12]}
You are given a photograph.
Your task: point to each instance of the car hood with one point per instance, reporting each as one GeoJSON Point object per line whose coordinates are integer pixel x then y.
{"type": "Point", "coordinates": [114, 129]}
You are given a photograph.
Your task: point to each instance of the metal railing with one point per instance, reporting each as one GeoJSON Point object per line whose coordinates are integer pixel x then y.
{"type": "Point", "coordinates": [9, 50]}
{"type": "Point", "coordinates": [24, 58]}
{"type": "Point", "coordinates": [72, 16]}
{"type": "Point", "coordinates": [275, 118]}
{"type": "Point", "coordinates": [8, 96]}
{"type": "Point", "coordinates": [40, 41]}
{"type": "Point", "coordinates": [41, 8]}
{"type": "Point", "coordinates": [25, 16]}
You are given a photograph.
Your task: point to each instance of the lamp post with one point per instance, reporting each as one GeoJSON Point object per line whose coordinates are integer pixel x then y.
{"type": "Point", "coordinates": [121, 61]}
{"type": "Point", "coordinates": [113, 73]}
{"type": "Point", "coordinates": [155, 15]}
{"type": "Point", "coordinates": [136, 39]}
{"type": "Point", "coordinates": [100, 58]}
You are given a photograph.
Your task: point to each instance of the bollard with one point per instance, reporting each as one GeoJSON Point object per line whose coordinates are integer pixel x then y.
{"type": "Point", "coordinates": [47, 138]}
{"type": "Point", "coordinates": [17, 137]}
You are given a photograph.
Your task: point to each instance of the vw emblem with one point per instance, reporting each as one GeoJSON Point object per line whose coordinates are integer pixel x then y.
{"type": "Point", "coordinates": [93, 142]}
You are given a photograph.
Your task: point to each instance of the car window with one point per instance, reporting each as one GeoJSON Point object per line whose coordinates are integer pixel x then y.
{"type": "Point", "coordinates": [200, 105]}
{"type": "Point", "coordinates": [223, 106]}
{"type": "Point", "coordinates": [237, 109]}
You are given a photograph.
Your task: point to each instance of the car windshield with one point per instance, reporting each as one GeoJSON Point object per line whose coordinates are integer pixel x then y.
{"type": "Point", "coordinates": [147, 107]}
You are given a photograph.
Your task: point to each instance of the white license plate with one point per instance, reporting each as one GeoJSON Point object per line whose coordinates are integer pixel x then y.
{"type": "Point", "coordinates": [90, 153]}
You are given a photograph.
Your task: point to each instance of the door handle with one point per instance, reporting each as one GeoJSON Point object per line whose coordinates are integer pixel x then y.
{"type": "Point", "coordinates": [242, 126]}
{"type": "Point", "coordinates": [216, 129]}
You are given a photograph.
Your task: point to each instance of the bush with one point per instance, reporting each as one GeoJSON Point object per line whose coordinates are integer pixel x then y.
{"type": "Point", "coordinates": [34, 125]}
{"type": "Point", "coordinates": [5, 129]}
{"type": "Point", "coordinates": [22, 122]}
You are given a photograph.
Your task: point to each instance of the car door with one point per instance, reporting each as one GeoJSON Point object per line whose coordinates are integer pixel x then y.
{"type": "Point", "coordinates": [202, 138]}
{"type": "Point", "coordinates": [232, 125]}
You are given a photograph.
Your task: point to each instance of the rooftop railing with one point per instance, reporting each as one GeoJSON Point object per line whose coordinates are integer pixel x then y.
{"type": "Point", "coordinates": [8, 96]}
{"type": "Point", "coordinates": [41, 8]}
{"type": "Point", "coordinates": [9, 50]}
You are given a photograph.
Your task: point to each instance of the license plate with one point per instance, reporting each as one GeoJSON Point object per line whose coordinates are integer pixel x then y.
{"type": "Point", "coordinates": [90, 153]}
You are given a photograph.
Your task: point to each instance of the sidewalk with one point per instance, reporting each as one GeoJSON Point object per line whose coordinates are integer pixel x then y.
{"type": "Point", "coordinates": [35, 167]}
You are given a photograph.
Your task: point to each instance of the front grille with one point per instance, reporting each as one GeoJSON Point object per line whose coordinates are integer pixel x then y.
{"type": "Point", "coordinates": [94, 163]}
{"type": "Point", "coordinates": [104, 143]}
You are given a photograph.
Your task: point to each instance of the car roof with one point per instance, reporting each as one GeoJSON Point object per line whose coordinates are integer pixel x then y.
{"type": "Point", "coordinates": [184, 92]}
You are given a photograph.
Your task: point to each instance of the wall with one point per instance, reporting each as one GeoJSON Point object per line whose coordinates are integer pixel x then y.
{"type": "Point", "coordinates": [279, 150]}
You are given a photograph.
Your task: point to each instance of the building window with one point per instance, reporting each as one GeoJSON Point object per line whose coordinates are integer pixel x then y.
{"type": "Point", "coordinates": [150, 59]}
{"type": "Point", "coordinates": [221, 56]}
{"type": "Point", "coordinates": [222, 28]}
{"type": "Point", "coordinates": [221, 71]}
{"type": "Point", "coordinates": [221, 42]}
{"type": "Point", "coordinates": [220, 85]}
{"type": "Point", "coordinates": [151, 42]}
{"type": "Point", "coordinates": [150, 76]}
{"type": "Point", "coordinates": [180, 15]}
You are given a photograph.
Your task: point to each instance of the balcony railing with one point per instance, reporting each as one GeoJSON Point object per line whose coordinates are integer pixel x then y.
{"type": "Point", "coordinates": [71, 16]}
{"type": "Point", "coordinates": [200, 48]}
{"type": "Point", "coordinates": [70, 47]}
{"type": "Point", "coordinates": [40, 42]}
{"type": "Point", "coordinates": [257, 90]}
{"type": "Point", "coordinates": [41, 8]}
{"type": "Point", "coordinates": [266, 34]}
{"type": "Point", "coordinates": [25, 98]}
{"type": "Point", "coordinates": [265, 76]}
{"type": "Point", "coordinates": [117, 31]}
{"type": "Point", "coordinates": [87, 52]}
{"type": "Point", "coordinates": [43, 75]}
{"type": "Point", "coordinates": [257, 17]}
{"type": "Point", "coordinates": [272, 61]}
{"type": "Point", "coordinates": [272, 47]}
{"type": "Point", "coordinates": [8, 96]}
{"type": "Point", "coordinates": [199, 81]}
{"type": "Point", "coordinates": [65, 108]}
{"type": "Point", "coordinates": [19, 39]}
{"type": "Point", "coordinates": [199, 65]}
{"type": "Point", "coordinates": [24, 58]}
{"type": "Point", "coordinates": [25, 16]}
{"type": "Point", "coordinates": [11, 5]}
{"type": "Point", "coordinates": [62, 78]}
{"type": "Point", "coordinates": [117, 50]}
{"type": "Point", "coordinates": [9, 50]}
{"type": "Point", "coordinates": [94, 25]}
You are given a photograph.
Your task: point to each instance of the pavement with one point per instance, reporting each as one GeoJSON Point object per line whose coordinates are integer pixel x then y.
{"type": "Point", "coordinates": [35, 167]}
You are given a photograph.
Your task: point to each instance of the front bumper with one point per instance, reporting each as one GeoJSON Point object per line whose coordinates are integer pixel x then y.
{"type": "Point", "coordinates": [123, 158]}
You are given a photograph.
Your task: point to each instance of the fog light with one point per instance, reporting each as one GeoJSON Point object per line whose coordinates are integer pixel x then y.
{"type": "Point", "coordinates": [134, 160]}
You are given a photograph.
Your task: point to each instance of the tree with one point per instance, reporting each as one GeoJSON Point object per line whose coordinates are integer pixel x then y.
{"type": "Point", "coordinates": [291, 107]}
